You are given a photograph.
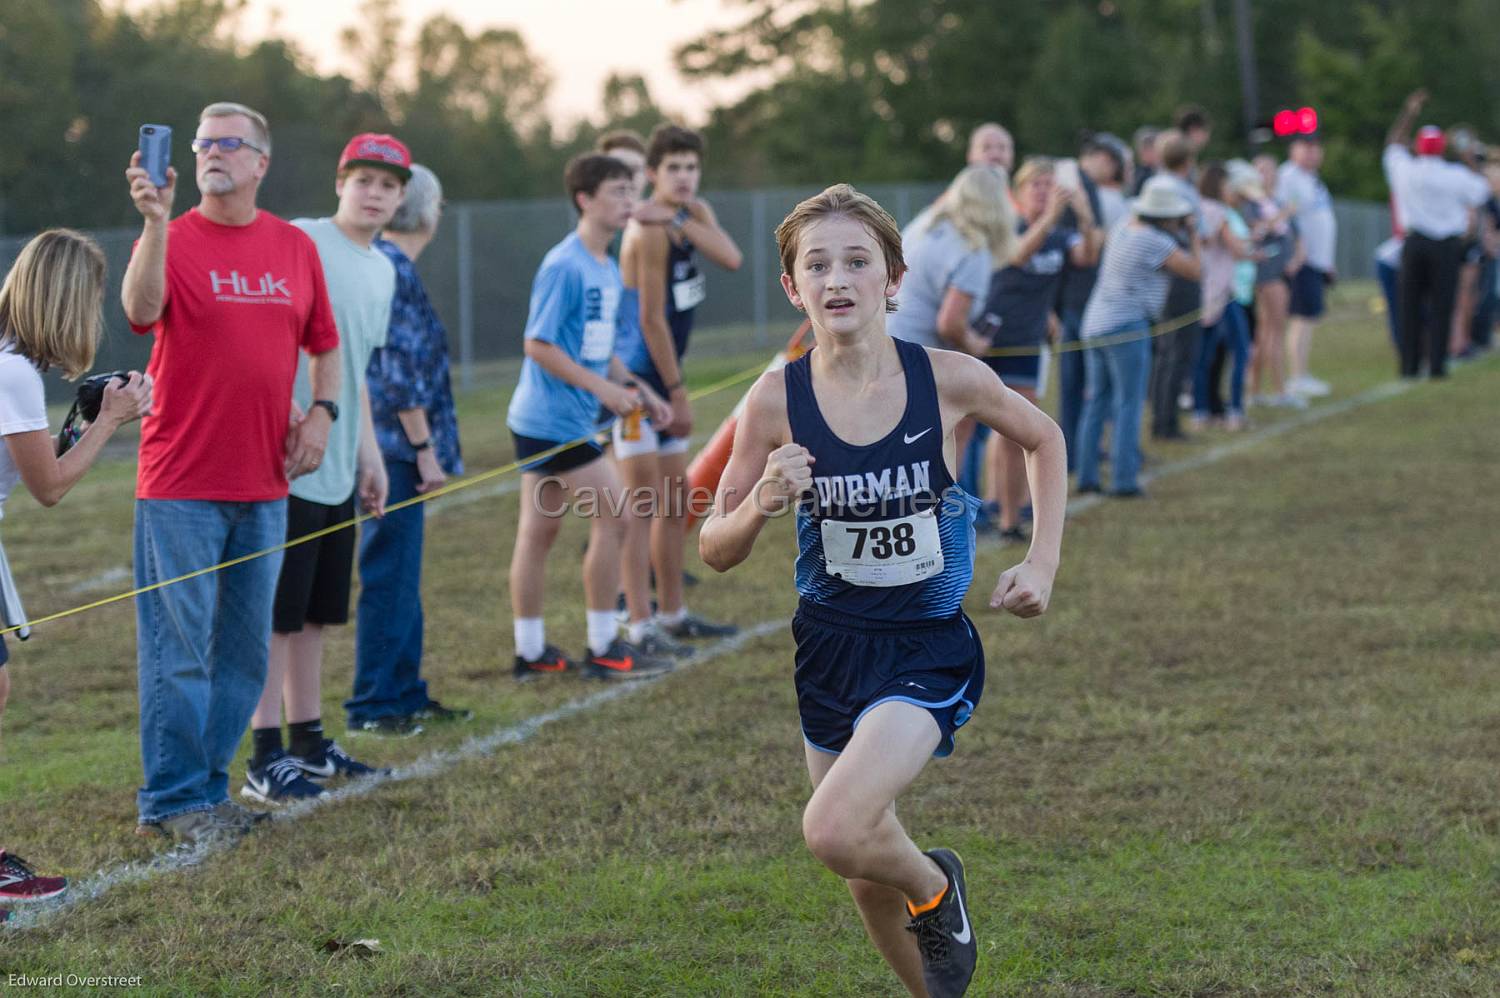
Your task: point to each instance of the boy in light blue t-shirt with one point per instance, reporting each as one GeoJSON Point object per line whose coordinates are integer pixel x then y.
{"type": "Point", "coordinates": [571, 370]}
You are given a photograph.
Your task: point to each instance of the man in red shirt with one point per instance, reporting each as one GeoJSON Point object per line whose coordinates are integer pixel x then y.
{"type": "Point", "coordinates": [231, 294]}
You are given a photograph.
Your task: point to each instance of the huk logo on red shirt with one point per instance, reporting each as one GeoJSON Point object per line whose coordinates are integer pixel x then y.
{"type": "Point", "coordinates": [236, 287]}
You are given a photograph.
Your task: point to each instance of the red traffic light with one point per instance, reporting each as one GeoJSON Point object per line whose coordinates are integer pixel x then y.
{"type": "Point", "coordinates": [1307, 121]}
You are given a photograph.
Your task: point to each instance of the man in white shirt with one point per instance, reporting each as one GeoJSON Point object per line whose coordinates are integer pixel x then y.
{"type": "Point", "coordinates": [1438, 199]}
{"type": "Point", "coordinates": [1298, 185]}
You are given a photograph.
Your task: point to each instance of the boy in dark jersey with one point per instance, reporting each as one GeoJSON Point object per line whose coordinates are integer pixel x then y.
{"type": "Point", "coordinates": [887, 665]}
{"type": "Point", "coordinates": [663, 287]}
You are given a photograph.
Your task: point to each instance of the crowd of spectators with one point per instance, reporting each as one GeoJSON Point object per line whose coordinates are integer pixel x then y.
{"type": "Point", "coordinates": [1158, 281]}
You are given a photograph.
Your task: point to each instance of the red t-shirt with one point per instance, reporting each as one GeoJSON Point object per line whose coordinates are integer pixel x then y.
{"type": "Point", "coordinates": [240, 301]}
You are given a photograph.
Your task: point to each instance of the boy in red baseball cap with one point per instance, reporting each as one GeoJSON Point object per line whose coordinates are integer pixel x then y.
{"type": "Point", "coordinates": [313, 590]}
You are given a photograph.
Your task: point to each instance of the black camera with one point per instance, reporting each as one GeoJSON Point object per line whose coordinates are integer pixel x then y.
{"type": "Point", "coordinates": [85, 407]}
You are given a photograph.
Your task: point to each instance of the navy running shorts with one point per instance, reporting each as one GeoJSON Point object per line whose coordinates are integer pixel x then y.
{"type": "Point", "coordinates": [1018, 371]}
{"type": "Point", "coordinates": [847, 666]}
{"type": "Point", "coordinates": [573, 457]}
{"type": "Point", "coordinates": [1307, 292]}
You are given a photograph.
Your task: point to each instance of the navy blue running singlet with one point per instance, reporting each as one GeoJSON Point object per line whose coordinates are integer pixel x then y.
{"type": "Point", "coordinates": [886, 533]}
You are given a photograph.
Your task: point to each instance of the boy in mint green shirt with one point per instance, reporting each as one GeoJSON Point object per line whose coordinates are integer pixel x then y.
{"type": "Point", "coordinates": [314, 588]}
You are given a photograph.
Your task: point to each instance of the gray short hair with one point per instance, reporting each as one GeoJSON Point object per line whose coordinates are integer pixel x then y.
{"type": "Point", "coordinates": [423, 201]}
{"type": "Point", "coordinates": [225, 109]}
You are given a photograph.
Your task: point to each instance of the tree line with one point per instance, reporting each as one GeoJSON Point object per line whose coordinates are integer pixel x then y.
{"type": "Point", "coordinates": [868, 91]}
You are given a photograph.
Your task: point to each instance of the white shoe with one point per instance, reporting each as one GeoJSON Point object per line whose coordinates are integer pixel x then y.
{"type": "Point", "coordinates": [1290, 401]}
{"type": "Point", "coordinates": [1309, 386]}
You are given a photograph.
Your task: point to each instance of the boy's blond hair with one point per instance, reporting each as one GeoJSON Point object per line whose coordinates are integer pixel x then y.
{"type": "Point", "coordinates": [842, 199]}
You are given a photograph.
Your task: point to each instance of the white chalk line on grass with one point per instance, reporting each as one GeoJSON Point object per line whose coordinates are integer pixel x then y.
{"type": "Point", "coordinates": [438, 762]}
{"type": "Point", "coordinates": [431, 765]}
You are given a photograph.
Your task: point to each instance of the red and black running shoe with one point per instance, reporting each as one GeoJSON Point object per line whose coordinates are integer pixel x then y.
{"type": "Point", "coordinates": [550, 662]}
{"type": "Point", "coordinates": [19, 882]}
{"type": "Point", "coordinates": [623, 660]}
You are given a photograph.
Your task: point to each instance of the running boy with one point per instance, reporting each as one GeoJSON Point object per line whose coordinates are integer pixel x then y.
{"type": "Point", "coordinates": [569, 371]}
{"type": "Point", "coordinates": [663, 288]}
{"type": "Point", "coordinates": [888, 667]}
{"type": "Point", "coordinates": [313, 590]}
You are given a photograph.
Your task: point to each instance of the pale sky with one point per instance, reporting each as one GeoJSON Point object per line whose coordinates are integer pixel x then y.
{"type": "Point", "coordinates": [581, 40]}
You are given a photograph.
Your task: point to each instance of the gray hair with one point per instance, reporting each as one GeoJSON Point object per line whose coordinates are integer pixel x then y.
{"type": "Point", "coordinates": [423, 201]}
{"type": "Point", "coordinates": [225, 109]}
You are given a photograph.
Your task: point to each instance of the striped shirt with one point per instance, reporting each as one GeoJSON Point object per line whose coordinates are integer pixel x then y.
{"type": "Point", "coordinates": [1132, 286]}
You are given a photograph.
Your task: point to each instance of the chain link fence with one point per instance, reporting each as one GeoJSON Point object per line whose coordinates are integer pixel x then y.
{"type": "Point", "coordinates": [479, 269]}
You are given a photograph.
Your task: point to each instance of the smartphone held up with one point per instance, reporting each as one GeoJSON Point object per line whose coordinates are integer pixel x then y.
{"type": "Point", "coordinates": [156, 152]}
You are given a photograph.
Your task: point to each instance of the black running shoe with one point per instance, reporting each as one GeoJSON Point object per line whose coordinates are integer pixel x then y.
{"type": "Point", "coordinates": [395, 726]}
{"type": "Point", "coordinates": [655, 644]}
{"type": "Point", "coordinates": [694, 626]}
{"type": "Point", "coordinates": [623, 660]}
{"type": "Point", "coordinates": [438, 714]}
{"type": "Point", "coordinates": [334, 761]}
{"type": "Point", "coordinates": [1012, 535]}
{"type": "Point", "coordinates": [945, 936]}
{"type": "Point", "coordinates": [550, 662]}
{"type": "Point", "coordinates": [279, 780]}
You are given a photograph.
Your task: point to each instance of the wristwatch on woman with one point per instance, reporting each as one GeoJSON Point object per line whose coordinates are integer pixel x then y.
{"type": "Point", "coordinates": [331, 406]}
{"type": "Point", "coordinates": [424, 445]}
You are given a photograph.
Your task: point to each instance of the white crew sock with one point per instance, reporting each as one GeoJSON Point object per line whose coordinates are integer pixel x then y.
{"type": "Point", "coordinates": [531, 637]}
{"type": "Point", "coordinates": [603, 627]}
{"type": "Point", "coordinates": [674, 618]}
{"type": "Point", "coordinates": [635, 631]}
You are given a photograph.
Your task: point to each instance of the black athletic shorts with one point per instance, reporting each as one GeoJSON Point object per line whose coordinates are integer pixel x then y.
{"type": "Point", "coordinates": [315, 575]}
{"type": "Point", "coordinates": [846, 667]}
{"type": "Point", "coordinates": [566, 460]}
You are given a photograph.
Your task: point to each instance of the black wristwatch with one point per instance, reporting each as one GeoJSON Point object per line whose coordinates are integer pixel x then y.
{"type": "Point", "coordinates": [330, 405]}
{"type": "Point", "coordinates": [424, 445]}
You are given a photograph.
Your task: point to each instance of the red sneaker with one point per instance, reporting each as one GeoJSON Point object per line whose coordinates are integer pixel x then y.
{"type": "Point", "coordinates": [19, 882]}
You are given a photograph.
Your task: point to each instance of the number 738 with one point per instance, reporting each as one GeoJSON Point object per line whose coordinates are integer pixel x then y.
{"type": "Point", "coordinates": [884, 542]}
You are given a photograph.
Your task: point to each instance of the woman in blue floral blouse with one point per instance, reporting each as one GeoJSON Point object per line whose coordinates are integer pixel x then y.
{"type": "Point", "coordinates": [412, 405]}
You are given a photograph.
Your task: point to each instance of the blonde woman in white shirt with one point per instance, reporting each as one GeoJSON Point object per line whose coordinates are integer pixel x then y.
{"type": "Point", "coordinates": [50, 316]}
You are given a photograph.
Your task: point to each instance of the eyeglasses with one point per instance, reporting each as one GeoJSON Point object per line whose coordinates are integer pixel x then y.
{"type": "Point", "coordinates": [228, 143]}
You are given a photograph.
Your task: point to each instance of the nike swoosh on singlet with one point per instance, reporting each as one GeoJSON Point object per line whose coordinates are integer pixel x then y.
{"type": "Point", "coordinates": [913, 439]}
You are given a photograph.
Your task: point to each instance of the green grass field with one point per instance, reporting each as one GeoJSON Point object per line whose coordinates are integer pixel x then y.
{"type": "Point", "coordinates": [1251, 750]}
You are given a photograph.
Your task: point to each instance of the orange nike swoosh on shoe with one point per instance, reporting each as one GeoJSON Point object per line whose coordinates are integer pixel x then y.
{"type": "Point", "coordinates": [560, 665]}
{"type": "Point", "coordinates": [618, 664]}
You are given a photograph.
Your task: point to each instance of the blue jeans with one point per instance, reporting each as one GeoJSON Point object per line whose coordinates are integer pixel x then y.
{"type": "Point", "coordinates": [201, 644]}
{"type": "Point", "coordinates": [1388, 277]}
{"type": "Point", "coordinates": [1233, 330]}
{"type": "Point", "coordinates": [1114, 388]}
{"type": "Point", "coordinates": [971, 461]}
{"type": "Point", "coordinates": [1070, 379]}
{"type": "Point", "coordinates": [1482, 329]}
{"type": "Point", "coordinates": [388, 621]}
